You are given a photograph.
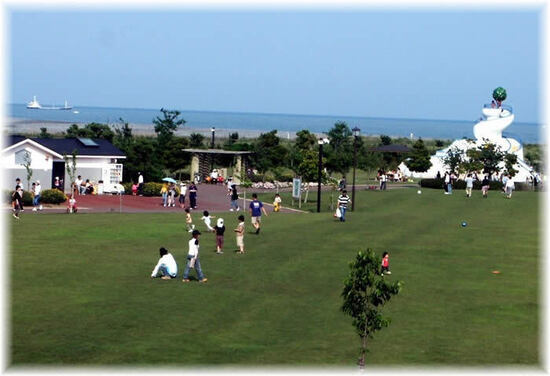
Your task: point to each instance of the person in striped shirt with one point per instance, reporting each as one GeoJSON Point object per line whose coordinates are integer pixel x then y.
{"type": "Point", "coordinates": [343, 201]}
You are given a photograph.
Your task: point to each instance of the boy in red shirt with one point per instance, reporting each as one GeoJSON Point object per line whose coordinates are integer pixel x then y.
{"type": "Point", "coordinates": [385, 264]}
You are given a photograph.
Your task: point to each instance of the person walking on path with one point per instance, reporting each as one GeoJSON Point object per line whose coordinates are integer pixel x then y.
{"type": "Point", "coordinates": [166, 265]}
{"type": "Point", "coordinates": [193, 261]}
{"type": "Point", "coordinates": [485, 186]}
{"type": "Point", "coordinates": [220, 230]}
{"type": "Point", "coordinates": [140, 184]}
{"type": "Point", "coordinates": [343, 202]}
{"type": "Point", "coordinates": [193, 196]}
{"type": "Point", "coordinates": [469, 185]}
{"type": "Point", "coordinates": [234, 197]}
{"type": "Point", "coordinates": [164, 193]}
{"type": "Point", "coordinates": [256, 208]}
{"type": "Point", "coordinates": [183, 191]}
{"type": "Point", "coordinates": [240, 234]}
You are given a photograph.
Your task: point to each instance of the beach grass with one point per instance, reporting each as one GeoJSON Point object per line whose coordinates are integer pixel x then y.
{"type": "Point", "coordinates": [81, 292]}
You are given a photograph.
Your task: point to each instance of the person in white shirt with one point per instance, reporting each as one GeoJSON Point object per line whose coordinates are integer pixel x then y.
{"type": "Point", "coordinates": [193, 258]}
{"type": "Point", "coordinates": [183, 191]}
{"type": "Point", "coordinates": [509, 187]}
{"type": "Point", "coordinates": [166, 265]}
{"type": "Point", "coordinates": [207, 218]}
{"type": "Point", "coordinates": [504, 181]}
{"type": "Point", "coordinates": [36, 199]}
{"type": "Point", "coordinates": [469, 185]}
{"type": "Point", "coordinates": [140, 184]}
{"type": "Point", "coordinates": [78, 184]}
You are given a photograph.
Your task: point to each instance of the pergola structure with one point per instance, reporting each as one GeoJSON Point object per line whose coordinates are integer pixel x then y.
{"type": "Point", "coordinates": [201, 161]}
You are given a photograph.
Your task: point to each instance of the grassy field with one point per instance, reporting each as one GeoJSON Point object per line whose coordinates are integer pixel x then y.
{"type": "Point", "coordinates": [81, 292]}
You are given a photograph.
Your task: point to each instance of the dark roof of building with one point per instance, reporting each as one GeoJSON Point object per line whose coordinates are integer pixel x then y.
{"type": "Point", "coordinates": [67, 145]}
{"type": "Point", "coordinates": [391, 149]}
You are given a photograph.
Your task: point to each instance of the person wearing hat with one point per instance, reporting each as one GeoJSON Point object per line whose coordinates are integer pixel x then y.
{"type": "Point", "coordinates": [57, 183]}
{"type": "Point", "coordinates": [36, 198]}
{"type": "Point", "coordinates": [220, 229]}
{"type": "Point", "coordinates": [193, 258]}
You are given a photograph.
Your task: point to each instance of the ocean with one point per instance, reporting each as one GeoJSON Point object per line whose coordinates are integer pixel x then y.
{"type": "Point", "coordinates": [283, 123]}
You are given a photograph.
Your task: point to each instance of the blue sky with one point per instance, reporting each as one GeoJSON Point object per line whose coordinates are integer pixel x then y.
{"type": "Point", "coordinates": [377, 63]}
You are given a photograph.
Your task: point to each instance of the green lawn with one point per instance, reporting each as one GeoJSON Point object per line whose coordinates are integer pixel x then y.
{"type": "Point", "coordinates": [81, 292]}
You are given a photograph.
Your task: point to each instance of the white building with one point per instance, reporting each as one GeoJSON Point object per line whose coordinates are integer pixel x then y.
{"type": "Point", "coordinates": [488, 129]}
{"type": "Point", "coordinates": [96, 159]}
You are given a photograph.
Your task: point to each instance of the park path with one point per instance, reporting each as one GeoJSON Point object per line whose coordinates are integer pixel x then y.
{"type": "Point", "coordinates": [209, 197]}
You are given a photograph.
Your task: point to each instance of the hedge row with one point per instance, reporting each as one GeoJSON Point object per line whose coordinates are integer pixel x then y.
{"type": "Point", "coordinates": [47, 196]}
{"type": "Point", "coordinates": [460, 184]}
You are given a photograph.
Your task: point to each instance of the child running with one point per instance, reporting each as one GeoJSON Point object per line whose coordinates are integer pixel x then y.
{"type": "Point", "coordinates": [207, 218]}
{"type": "Point", "coordinates": [240, 234]}
{"type": "Point", "coordinates": [189, 221]}
{"type": "Point", "coordinates": [385, 264]}
{"type": "Point", "coordinates": [220, 229]}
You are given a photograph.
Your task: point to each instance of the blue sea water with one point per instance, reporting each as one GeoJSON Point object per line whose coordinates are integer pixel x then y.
{"type": "Point", "coordinates": [435, 129]}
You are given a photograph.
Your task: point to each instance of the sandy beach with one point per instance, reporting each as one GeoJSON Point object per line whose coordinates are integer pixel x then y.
{"type": "Point", "coordinates": [28, 126]}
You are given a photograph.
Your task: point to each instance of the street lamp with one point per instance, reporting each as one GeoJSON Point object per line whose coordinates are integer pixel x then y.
{"type": "Point", "coordinates": [356, 131]}
{"type": "Point", "coordinates": [321, 142]}
{"type": "Point", "coordinates": [213, 130]}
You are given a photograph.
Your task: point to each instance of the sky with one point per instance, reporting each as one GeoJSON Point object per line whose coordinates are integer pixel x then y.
{"type": "Point", "coordinates": [392, 63]}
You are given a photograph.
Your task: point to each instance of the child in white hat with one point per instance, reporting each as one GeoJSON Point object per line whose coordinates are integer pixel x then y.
{"type": "Point", "coordinates": [220, 229]}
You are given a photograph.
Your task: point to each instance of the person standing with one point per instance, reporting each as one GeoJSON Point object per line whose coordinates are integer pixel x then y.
{"type": "Point", "coordinates": [193, 196]}
{"type": "Point", "coordinates": [166, 265]}
{"type": "Point", "coordinates": [343, 202]}
{"type": "Point", "coordinates": [277, 202]}
{"type": "Point", "coordinates": [240, 234]}
{"type": "Point", "coordinates": [36, 199]}
{"type": "Point", "coordinates": [469, 185]}
{"type": "Point", "coordinates": [15, 199]}
{"type": "Point", "coordinates": [164, 193]}
{"type": "Point", "coordinates": [448, 184]}
{"type": "Point", "coordinates": [220, 230]}
{"type": "Point", "coordinates": [19, 195]}
{"type": "Point", "coordinates": [193, 261]}
{"type": "Point", "coordinates": [383, 180]}
{"type": "Point", "coordinates": [509, 187]}
{"type": "Point", "coordinates": [234, 196]}
{"type": "Point", "coordinates": [140, 184]}
{"type": "Point", "coordinates": [485, 186]}
{"type": "Point", "coordinates": [256, 208]}
{"type": "Point", "coordinates": [385, 264]}
{"type": "Point", "coordinates": [189, 220]}
{"type": "Point", "coordinates": [183, 191]}
{"type": "Point", "coordinates": [172, 195]}
{"type": "Point", "coordinates": [57, 184]}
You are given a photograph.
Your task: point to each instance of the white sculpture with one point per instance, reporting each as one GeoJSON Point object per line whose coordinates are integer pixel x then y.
{"type": "Point", "coordinates": [496, 118]}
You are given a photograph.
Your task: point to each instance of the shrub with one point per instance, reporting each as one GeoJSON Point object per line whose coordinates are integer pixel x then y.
{"type": "Point", "coordinates": [52, 196]}
{"type": "Point", "coordinates": [27, 197]}
{"type": "Point", "coordinates": [256, 178]}
{"type": "Point", "coordinates": [523, 187]}
{"type": "Point", "coordinates": [127, 188]}
{"type": "Point", "coordinates": [152, 189]}
{"type": "Point", "coordinates": [281, 175]}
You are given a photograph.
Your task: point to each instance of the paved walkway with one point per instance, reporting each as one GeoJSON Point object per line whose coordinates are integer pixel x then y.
{"type": "Point", "coordinates": [209, 197]}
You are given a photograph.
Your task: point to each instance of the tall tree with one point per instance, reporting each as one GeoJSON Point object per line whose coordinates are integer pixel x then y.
{"type": "Point", "coordinates": [419, 158]}
{"type": "Point", "coordinates": [268, 151]}
{"type": "Point", "coordinates": [44, 133]}
{"type": "Point", "coordinates": [123, 138]}
{"type": "Point", "coordinates": [365, 292]}
{"type": "Point", "coordinates": [510, 161]}
{"type": "Point", "coordinates": [196, 140]}
{"type": "Point", "coordinates": [340, 149]}
{"type": "Point", "coordinates": [166, 126]}
{"type": "Point", "coordinates": [454, 159]}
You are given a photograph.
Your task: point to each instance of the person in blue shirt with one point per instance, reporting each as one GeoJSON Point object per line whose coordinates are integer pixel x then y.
{"type": "Point", "coordinates": [256, 208]}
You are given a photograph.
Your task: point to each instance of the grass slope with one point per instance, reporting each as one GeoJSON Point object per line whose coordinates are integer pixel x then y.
{"type": "Point", "coordinates": [81, 292]}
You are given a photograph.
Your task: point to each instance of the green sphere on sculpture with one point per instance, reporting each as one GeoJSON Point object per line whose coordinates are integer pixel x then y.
{"type": "Point", "coordinates": [499, 94]}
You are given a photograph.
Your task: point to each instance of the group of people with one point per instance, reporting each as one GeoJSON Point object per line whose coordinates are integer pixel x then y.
{"type": "Point", "coordinates": [450, 177]}
{"type": "Point", "coordinates": [167, 268]}
{"type": "Point", "coordinates": [17, 197]}
{"type": "Point", "coordinates": [82, 187]}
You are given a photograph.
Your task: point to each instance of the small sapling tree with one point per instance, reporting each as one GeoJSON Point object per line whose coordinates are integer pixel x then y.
{"type": "Point", "coordinates": [27, 164]}
{"type": "Point", "coordinates": [365, 292]}
{"type": "Point", "coordinates": [70, 166]}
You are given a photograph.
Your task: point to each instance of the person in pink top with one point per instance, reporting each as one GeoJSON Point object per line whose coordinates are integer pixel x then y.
{"type": "Point", "coordinates": [385, 264]}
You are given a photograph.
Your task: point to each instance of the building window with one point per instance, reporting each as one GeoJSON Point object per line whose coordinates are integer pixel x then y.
{"type": "Point", "coordinates": [22, 157]}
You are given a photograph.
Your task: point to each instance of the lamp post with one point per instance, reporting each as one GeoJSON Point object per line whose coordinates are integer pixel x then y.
{"type": "Point", "coordinates": [321, 141]}
{"type": "Point", "coordinates": [213, 130]}
{"type": "Point", "coordinates": [356, 131]}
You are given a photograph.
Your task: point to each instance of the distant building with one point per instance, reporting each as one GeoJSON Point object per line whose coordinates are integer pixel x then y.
{"type": "Point", "coordinates": [96, 159]}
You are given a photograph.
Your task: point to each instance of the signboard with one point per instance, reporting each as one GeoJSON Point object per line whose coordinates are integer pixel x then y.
{"type": "Point", "coordinates": [296, 183]}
